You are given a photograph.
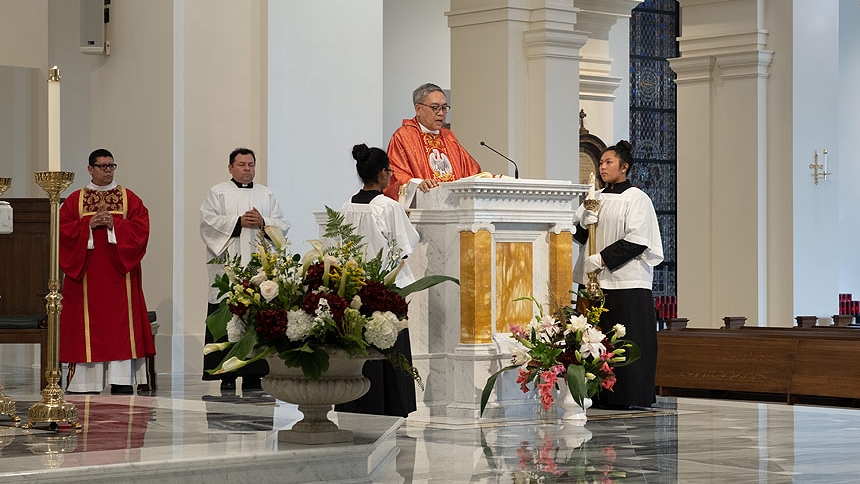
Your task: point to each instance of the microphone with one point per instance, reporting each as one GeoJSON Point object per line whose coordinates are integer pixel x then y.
{"type": "Point", "coordinates": [516, 168]}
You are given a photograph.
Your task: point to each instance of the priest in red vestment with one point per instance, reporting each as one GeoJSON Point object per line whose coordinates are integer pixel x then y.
{"type": "Point", "coordinates": [105, 334]}
{"type": "Point", "coordinates": [422, 148]}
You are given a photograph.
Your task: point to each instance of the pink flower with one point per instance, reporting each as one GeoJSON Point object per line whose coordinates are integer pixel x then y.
{"type": "Point", "coordinates": [518, 331]}
{"type": "Point", "coordinates": [523, 379]}
{"type": "Point", "coordinates": [608, 382]}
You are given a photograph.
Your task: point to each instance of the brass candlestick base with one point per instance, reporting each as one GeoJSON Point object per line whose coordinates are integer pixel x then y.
{"type": "Point", "coordinates": [592, 287]}
{"type": "Point", "coordinates": [52, 447]}
{"type": "Point", "coordinates": [7, 406]}
{"type": "Point", "coordinates": [52, 408]}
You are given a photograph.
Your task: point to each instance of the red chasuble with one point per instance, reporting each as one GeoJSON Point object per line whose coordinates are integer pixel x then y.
{"type": "Point", "coordinates": [104, 314]}
{"type": "Point", "coordinates": [415, 154]}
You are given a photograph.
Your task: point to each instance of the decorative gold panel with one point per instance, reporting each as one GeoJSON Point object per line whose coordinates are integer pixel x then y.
{"type": "Point", "coordinates": [560, 269]}
{"type": "Point", "coordinates": [514, 279]}
{"type": "Point", "coordinates": [476, 287]}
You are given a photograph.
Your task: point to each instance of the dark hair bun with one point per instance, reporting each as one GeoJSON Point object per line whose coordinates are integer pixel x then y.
{"type": "Point", "coordinates": [625, 145]}
{"type": "Point", "coordinates": [360, 152]}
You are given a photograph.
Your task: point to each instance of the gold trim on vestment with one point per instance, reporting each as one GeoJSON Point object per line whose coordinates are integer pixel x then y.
{"type": "Point", "coordinates": [130, 315]}
{"type": "Point", "coordinates": [87, 321]}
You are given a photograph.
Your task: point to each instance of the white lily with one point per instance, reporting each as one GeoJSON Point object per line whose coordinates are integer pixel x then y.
{"type": "Point", "coordinates": [391, 276]}
{"type": "Point", "coordinates": [264, 257]}
{"type": "Point", "coordinates": [276, 235]}
{"type": "Point", "coordinates": [232, 364]}
{"type": "Point", "coordinates": [312, 255]}
{"type": "Point", "coordinates": [213, 347]}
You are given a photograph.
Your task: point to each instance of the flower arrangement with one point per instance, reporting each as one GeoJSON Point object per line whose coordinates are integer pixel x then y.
{"type": "Point", "coordinates": [568, 346]}
{"type": "Point", "coordinates": [293, 306]}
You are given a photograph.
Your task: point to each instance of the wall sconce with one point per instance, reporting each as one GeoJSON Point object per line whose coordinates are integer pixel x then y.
{"type": "Point", "coordinates": [818, 170]}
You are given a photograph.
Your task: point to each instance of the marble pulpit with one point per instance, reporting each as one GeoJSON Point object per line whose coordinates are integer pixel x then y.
{"type": "Point", "coordinates": [503, 238]}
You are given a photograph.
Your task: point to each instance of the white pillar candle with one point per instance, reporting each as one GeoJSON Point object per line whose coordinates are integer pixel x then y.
{"type": "Point", "coordinates": [54, 119]}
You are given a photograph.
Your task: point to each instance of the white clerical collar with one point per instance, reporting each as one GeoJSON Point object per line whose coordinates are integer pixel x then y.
{"type": "Point", "coordinates": [425, 130]}
{"type": "Point", "coordinates": [93, 186]}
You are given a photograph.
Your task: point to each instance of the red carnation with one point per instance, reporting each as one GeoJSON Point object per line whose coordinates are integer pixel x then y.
{"type": "Point", "coordinates": [568, 357]}
{"type": "Point", "coordinates": [272, 323]}
{"type": "Point", "coordinates": [314, 276]}
{"type": "Point", "coordinates": [337, 305]}
{"type": "Point", "coordinates": [376, 297]}
{"type": "Point", "coordinates": [238, 309]}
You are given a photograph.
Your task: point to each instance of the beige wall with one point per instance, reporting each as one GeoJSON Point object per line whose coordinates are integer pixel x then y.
{"type": "Point", "coordinates": [221, 92]}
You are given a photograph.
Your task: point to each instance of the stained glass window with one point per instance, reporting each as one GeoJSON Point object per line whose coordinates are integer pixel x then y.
{"type": "Point", "coordinates": [653, 32]}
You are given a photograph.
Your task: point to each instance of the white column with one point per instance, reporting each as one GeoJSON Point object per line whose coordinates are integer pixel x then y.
{"type": "Point", "coordinates": [514, 79]}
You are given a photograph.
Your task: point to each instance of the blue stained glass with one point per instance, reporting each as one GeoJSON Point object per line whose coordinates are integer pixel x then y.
{"type": "Point", "coordinates": [653, 125]}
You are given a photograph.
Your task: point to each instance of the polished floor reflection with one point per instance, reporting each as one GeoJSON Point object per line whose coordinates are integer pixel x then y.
{"type": "Point", "coordinates": [189, 428]}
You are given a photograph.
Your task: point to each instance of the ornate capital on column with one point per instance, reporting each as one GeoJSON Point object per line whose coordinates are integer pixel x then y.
{"type": "Point", "coordinates": [474, 227]}
{"type": "Point", "coordinates": [565, 227]}
{"type": "Point", "coordinates": [563, 44]}
{"type": "Point", "coordinates": [744, 64]}
{"type": "Point", "coordinates": [691, 70]}
{"type": "Point", "coordinates": [598, 16]}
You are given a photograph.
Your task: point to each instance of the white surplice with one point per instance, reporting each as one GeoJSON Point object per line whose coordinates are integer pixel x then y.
{"type": "Point", "coordinates": [223, 206]}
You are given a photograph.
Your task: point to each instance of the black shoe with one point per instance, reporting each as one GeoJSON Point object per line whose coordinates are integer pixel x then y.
{"type": "Point", "coordinates": [228, 383]}
{"type": "Point", "coordinates": [251, 383]}
{"type": "Point", "coordinates": [121, 390]}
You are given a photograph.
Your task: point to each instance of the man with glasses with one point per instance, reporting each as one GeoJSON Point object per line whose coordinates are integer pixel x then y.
{"type": "Point", "coordinates": [105, 334]}
{"type": "Point", "coordinates": [423, 149]}
{"type": "Point", "coordinates": [230, 218]}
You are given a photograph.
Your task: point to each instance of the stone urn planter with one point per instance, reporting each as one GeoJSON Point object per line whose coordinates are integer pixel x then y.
{"type": "Point", "coordinates": [343, 382]}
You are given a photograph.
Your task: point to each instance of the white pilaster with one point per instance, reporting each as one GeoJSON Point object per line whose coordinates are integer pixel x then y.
{"type": "Point", "coordinates": [722, 142]}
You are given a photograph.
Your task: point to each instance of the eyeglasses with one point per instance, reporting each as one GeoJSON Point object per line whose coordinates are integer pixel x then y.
{"type": "Point", "coordinates": [389, 170]}
{"type": "Point", "coordinates": [437, 108]}
{"type": "Point", "coordinates": [105, 167]}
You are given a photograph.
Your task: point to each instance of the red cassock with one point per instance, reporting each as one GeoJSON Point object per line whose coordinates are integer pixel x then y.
{"type": "Point", "coordinates": [415, 154]}
{"type": "Point", "coordinates": [104, 314]}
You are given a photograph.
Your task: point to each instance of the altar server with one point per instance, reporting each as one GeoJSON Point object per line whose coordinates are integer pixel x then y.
{"type": "Point", "coordinates": [628, 248]}
{"type": "Point", "coordinates": [230, 217]}
{"type": "Point", "coordinates": [383, 224]}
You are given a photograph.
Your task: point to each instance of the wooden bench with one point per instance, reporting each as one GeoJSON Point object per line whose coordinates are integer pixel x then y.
{"type": "Point", "coordinates": [27, 329]}
{"type": "Point", "coordinates": [793, 362]}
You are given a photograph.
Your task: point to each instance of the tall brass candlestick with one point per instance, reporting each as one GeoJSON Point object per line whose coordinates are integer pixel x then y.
{"type": "Point", "coordinates": [52, 408]}
{"type": "Point", "coordinates": [7, 405]}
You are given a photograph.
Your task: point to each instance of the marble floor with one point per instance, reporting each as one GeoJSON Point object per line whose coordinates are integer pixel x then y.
{"type": "Point", "coordinates": [186, 431]}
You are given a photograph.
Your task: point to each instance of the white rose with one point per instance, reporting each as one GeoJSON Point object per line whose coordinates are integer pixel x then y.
{"type": "Point", "coordinates": [269, 289]}
{"type": "Point", "coordinates": [259, 277]}
{"type": "Point", "coordinates": [355, 303]}
{"type": "Point", "coordinates": [620, 330]}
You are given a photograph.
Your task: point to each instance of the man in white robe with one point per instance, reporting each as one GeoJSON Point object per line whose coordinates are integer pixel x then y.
{"type": "Point", "coordinates": [230, 218]}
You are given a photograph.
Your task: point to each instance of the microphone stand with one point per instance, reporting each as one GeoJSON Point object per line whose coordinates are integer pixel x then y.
{"type": "Point", "coordinates": [516, 168]}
